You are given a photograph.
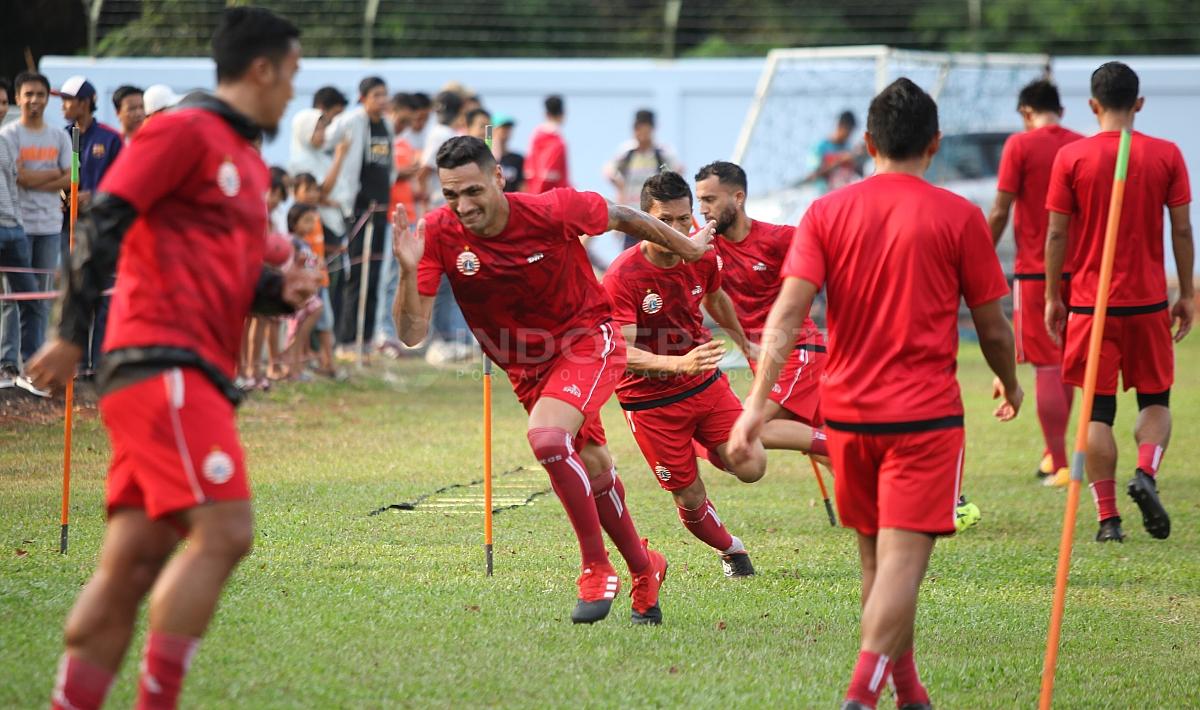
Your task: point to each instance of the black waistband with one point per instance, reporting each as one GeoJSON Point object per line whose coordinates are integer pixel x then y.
{"type": "Point", "coordinates": [897, 427]}
{"type": "Point", "coordinates": [811, 347]}
{"type": "Point", "coordinates": [672, 399]}
{"type": "Point", "coordinates": [1121, 310]}
{"type": "Point", "coordinates": [1037, 277]}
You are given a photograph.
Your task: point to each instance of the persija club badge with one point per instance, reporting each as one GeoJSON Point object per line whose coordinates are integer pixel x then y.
{"type": "Point", "coordinates": [652, 303]}
{"type": "Point", "coordinates": [228, 179]}
{"type": "Point", "coordinates": [467, 263]}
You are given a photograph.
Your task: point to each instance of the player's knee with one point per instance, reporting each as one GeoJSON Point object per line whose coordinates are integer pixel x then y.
{"type": "Point", "coordinates": [1157, 399]}
{"type": "Point", "coordinates": [691, 497]}
{"type": "Point", "coordinates": [550, 444]}
{"type": "Point", "coordinates": [753, 468]}
{"type": "Point", "coordinates": [1104, 409]}
{"type": "Point", "coordinates": [233, 538]}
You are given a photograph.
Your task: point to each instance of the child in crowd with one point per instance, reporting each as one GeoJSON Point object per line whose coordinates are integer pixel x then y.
{"type": "Point", "coordinates": [262, 330]}
{"type": "Point", "coordinates": [304, 224]}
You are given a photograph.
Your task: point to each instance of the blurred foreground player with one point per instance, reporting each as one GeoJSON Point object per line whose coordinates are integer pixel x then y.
{"type": "Point", "coordinates": [1137, 333]}
{"type": "Point", "coordinates": [895, 255]}
{"type": "Point", "coordinates": [189, 221]}
{"type": "Point", "coordinates": [672, 393]}
{"type": "Point", "coordinates": [521, 276]}
{"type": "Point", "coordinates": [1022, 183]}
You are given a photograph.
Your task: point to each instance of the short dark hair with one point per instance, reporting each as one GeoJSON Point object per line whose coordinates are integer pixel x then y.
{"type": "Point", "coordinates": [122, 93]}
{"type": "Point", "coordinates": [421, 100]}
{"type": "Point", "coordinates": [448, 105]}
{"type": "Point", "coordinates": [554, 105]}
{"type": "Point", "coordinates": [902, 120]}
{"type": "Point", "coordinates": [1041, 95]}
{"type": "Point", "coordinates": [247, 33]}
{"type": "Point", "coordinates": [328, 97]}
{"type": "Point", "coordinates": [295, 212]}
{"type": "Point", "coordinates": [476, 112]}
{"type": "Point", "coordinates": [401, 99]}
{"type": "Point", "coordinates": [1115, 86]}
{"type": "Point", "coordinates": [29, 77]}
{"type": "Point", "coordinates": [462, 150]}
{"type": "Point", "coordinates": [726, 173]}
{"type": "Point", "coordinates": [644, 117]}
{"type": "Point", "coordinates": [6, 88]}
{"type": "Point", "coordinates": [278, 178]}
{"type": "Point", "coordinates": [305, 179]}
{"type": "Point", "coordinates": [664, 186]}
{"type": "Point", "coordinates": [847, 120]}
{"type": "Point", "coordinates": [368, 84]}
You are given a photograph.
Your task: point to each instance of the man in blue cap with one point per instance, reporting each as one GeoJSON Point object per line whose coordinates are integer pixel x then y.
{"type": "Point", "coordinates": [512, 164]}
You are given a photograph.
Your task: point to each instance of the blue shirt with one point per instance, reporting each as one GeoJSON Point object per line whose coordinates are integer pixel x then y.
{"type": "Point", "coordinates": [98, 148]}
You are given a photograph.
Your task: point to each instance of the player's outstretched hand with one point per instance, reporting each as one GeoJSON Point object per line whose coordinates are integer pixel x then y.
{"type": "Point", "coordinates": [299, 285]}
{"type": "Point", "coordinates": [408, 244]}
{"type": "Point", "coordinates": [1008, 409]}
{"type": "Point", "coordinates": [703, 358]}
{"type": "Point", "coordinates": [1056, 320]}
{"type": "Point", "coordinates": [702, 241]}
{"type": "Point", "coordinates": [746, 431]}
{"type": "Point", "coordinates": [1182, 313]}
{"type": "Point", "coordinates": [54, 365]}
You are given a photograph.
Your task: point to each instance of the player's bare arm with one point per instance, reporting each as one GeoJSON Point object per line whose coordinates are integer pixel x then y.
{"type": "Point", "coordinates": [720, 307]}
{"type": "Point", "coordinates": [642, 226]}
{"type": "Point", "coordinates": [410, 311]}
{"type": "Point", "coordinates": [700, 359]}
{"type": "Point", "coordinates": [1057, 234]}
{"type": "Point", "coordinates": [1184, 309]}
{"type": "Point", "coordinates": [998, 217]}
{"type": "Point", "coordinates": [778, 338]}
{"type": "Point", "coordinates": [999, 349]}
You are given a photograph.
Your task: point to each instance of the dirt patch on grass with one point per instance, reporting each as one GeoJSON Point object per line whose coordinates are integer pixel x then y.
{"type": "Point", "coordinates": [20, 407]}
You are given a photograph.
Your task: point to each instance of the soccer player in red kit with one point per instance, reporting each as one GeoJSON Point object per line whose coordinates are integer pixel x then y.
{"type": "Point", "coordinates": [895, 255]}
{"type": "Point", "coordinates": [1137, 333]}
{"type": "Point", "coordinates": [522, 278]}
{"type": "Point", "coordinates": [188, 217]}
{"type": "Point", "coordinates": [672, 393]}
{"type": "Point", "coordinates": [751, 254]}
{"type": "Point", "coordinates": [1023, 181]}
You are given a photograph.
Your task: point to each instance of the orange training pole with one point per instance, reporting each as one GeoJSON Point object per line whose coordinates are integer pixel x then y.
{"type": "Point", "coordinates": [1085, 416]}
{"type": "Point", "coordinates": [70, 395]}
{"type": "Point", "coordinates": [487, 442]}
{"type": "Point", "coordinates": [824, 493]}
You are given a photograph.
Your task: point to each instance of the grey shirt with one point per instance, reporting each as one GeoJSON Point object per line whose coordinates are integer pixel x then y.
{"type": "Point", "coordinates": [10, 211]}
{"type": "Point", "coordinates": [41, 210]}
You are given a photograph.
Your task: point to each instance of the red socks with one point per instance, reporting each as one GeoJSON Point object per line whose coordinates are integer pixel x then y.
{"type": "Point", "coordinates": [615, 519]}
{"type": "Point", "coordinates": [705, 525]}
{"type": "Point", "coordinates": [908, 682]}
{"type": "Point", "coordinates": [820, 443]}
{"type": "Point", "coordinates": [870, 673]}
{"type": "Point", "coordinates": [1150, 458]}
{"type": "Point", "coordinates": [80, 685]}
{"type": "Point", "coordinates": [166, 662]}
{"type": "Point", "coordinates": [1054, 411]}
{"type": "Point", "coordinates": [555, 451]}
{"type": "Point", "coordinates": [1105, 494]}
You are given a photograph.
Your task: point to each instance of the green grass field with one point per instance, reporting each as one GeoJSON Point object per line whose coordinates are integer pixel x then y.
{"type": "Point", "coordinates": [336, 608]}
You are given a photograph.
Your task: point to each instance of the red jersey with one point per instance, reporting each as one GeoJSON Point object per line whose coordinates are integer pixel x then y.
{"type": "Point", "coordinates": [664, 304]}
{"type": "Point", "coordinates": [546, 163]}
{"type": "Point", "coordinates": [1025, 172]}
{"type": "Point", "coordinates": [750, 269]}
{"type": "Point", "coordinates": [1081, 186]}
{"type": "Point", "coordinates": [529, 291]}
{"type": "Point", "coordinates": [189, 264]}
{"type": "Point", "coordinates": [895, 254]}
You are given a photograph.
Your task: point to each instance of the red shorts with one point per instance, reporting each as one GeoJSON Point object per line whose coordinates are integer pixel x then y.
{"type": "Point", "coordinates": [798, 388]}
{"type": "Point", "coordinates": [584, 376]}
{"type": "Point", "coordinates": [665, 433]}
{"type": "Point", "coordinates": [1034, 345]}
{"type": "Point", "coordinates": [174, 445]}
{"type": "Point", "coordinates": [1139, 347]}
{"type": "Point", "coordinates": [904, 481]}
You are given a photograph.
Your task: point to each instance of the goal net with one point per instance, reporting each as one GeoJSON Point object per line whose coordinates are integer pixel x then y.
{"type": "Point", "coordinates": [802, 92]}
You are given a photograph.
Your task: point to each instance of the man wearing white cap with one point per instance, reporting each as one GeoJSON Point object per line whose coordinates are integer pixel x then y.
{"type": "Point", "coordinates": [159, 97]}
{"type": "Point", "coordinates": [98, 148]}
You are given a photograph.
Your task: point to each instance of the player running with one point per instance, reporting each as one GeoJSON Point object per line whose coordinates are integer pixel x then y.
{"type": "Point", "coordinates": [523, 281]}
{"type": "Point", "coordinates": [1137, 334]}
{"type": "Point", "coordinates": [1023, 181]}
{"type": "Point", "coordinates": [189, 221]}
{"type": "Point", "coordinates": [672, 393]}
{"type": "Point", "coordinates": [751, 254]}
{"type": "Point", "coordinates": [895, 255]}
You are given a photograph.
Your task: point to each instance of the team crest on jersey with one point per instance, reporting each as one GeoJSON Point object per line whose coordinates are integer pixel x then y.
{"type": "Point", "coordinates": [217, 467]}
{"type": "Point", "coordinates": [662, 472]}
{"type": "Point", "coordinates": [228, 179]}
{"type": "Point", "coordinates": [98, 150]}
{"type": "Point", "coordinates": [652, 303]}
{"type": "Point", "coordinates": [760, 266]}
{"type": "Point", "coordinates": [467, 263]}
